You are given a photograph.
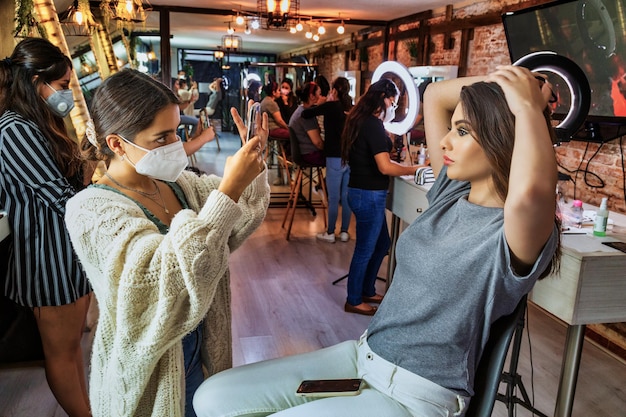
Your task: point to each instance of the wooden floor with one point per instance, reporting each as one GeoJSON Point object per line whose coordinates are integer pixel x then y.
{"type": "Point", "coordinates": [284, 303]}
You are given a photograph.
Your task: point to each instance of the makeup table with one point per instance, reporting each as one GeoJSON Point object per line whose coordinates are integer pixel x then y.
{"type": "Point", "coordinates": [589, 288]}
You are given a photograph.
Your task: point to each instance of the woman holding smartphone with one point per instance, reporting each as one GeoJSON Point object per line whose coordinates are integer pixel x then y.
{"type": "Point", "coordinates": [154, 240]}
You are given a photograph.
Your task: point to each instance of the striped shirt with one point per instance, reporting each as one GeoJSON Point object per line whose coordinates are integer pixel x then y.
{"type": "Point", "coordinates": [43, 269]}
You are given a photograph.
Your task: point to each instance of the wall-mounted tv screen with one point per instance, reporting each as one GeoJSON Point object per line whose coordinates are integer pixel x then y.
{"type": "Point", "coordinates": [592, 33]}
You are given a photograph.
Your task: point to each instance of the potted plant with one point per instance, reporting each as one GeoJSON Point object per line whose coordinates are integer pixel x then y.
{"type": "Point", "coordinates": [413, 48]}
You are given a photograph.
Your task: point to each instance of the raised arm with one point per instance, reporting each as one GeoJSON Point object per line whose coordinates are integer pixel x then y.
{"type": "Point", "coordinates": [440, 100]}
{"type": "Point", "coordinates": [529, 208]}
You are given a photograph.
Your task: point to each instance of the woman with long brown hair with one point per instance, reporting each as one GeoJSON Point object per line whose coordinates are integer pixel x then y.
{"type": "Point", "coordinates": [40, 170]}
{"type": "Point", "coordinates": [466, 261]}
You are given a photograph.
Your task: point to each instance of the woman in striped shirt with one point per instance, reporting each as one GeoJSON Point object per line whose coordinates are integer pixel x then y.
{"type": "Point", "coordinates": [40, 169]}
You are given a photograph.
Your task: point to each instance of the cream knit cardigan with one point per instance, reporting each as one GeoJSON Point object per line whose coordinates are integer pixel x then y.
{"type": "Point", "coordinates": [154, 289]}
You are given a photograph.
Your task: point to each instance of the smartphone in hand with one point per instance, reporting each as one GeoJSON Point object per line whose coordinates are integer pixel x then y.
{"type": "Point", "coordinates": [329, 387]}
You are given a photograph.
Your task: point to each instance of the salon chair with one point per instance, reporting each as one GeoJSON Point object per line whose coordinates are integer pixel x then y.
{"type": "Point", "coordinates": [305, 172]}
{"type": "Point", "coordinates": [490, 373]}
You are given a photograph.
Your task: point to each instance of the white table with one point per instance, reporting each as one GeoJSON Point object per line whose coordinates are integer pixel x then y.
{"type": "Point", "coordinates": [589, 288]}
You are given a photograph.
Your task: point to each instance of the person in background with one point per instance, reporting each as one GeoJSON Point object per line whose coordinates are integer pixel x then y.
{"type": "Point", "coordinates": [189, 95]}
{"type": "Point", "coordinates": [287, 102]}
{"type": "Point", "coordinates": [154, 240]}
{"type": "Point", "coordinates": [366, 148]}
{"type": "Point", "coordinates": [307, 130]}
{"type": "Point", "coordinates": [254, 91]}
{"type": "Point", "coordinates": [190, 122]}
{"type": "Point", "coordinates": [324, 85]}
{"type": "Point", "coordinates": [324, 90]}
{"type": "Point", "coordinates": [278, 127]}
{"type": "Point", "coordinates": [334, 112]}
{"type": "Point", "coordinates": [40, 169]}
{"type": "Point", "coordinates": [215, 96]}
{"type": "Point", "coordinates": [493, 155]}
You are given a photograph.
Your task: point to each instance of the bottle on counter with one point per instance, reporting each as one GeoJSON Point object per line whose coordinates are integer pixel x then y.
{"type": "Point", "coordinates": [421, 158]}
{"type": "Point", "coordinates": [602, 216]}
{"type": "Point", "coordinates": [577, 213]}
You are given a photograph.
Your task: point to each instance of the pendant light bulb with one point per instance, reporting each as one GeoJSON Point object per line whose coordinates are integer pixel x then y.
{"type": "Point", "coordinates": [299, 26]}
{"type": "Point", "coordinates": [78, 17]}
{"type": "Point", "coordinates": [341, 29]}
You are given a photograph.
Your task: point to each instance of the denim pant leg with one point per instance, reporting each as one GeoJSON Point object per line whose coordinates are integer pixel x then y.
{"type": "Point", "coordinates": [346, 212]}
{"type": "Point", "coordinates": [380, 251]}
{"type": "Point", "coordinates": [193, 367]}
{"type": "Point", "coordinates": [267, 387]}
{"type": "Point", "coordinates": [333, 187]}
{"type": "Point", "coordinates": [372, 241]}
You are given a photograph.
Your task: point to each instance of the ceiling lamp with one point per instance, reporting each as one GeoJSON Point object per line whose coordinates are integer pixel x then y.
{"type": "Point", "coordinates": [219, 54]}
{"type": "Point", "coordinates": [278, 13]}
{"type": "Point", "coordinates": [230, 29]}
{"type": "Point", "coordinates": [341, 28]}
{"type": "Point", "coordinates": [240, 20]}
{"type": "Point", "coordinates": [255, 24]}
{"type": "Point", "coordinates": [231, 43]}
{"type": "Point", "coordinates": [321, 29]}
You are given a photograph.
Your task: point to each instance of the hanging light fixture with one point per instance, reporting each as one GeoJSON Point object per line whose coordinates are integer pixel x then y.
{"type": "Point", "coordinates": [219, 54]}
{"type": "Point", "coordinates": [341, 28]}
{"type": "Point", "coordinates": [278, 13]}
{"type": "Point", "coordinates": [231, 43]}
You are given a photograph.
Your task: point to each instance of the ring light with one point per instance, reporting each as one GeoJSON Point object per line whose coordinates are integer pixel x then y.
{"type": "Point", "coordinates": [413, 103]}
{"type": "Point", "coordinates": [576, 82]}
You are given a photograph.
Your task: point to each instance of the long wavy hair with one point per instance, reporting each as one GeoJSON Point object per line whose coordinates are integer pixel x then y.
{"type": "Point", "coordinates": [34, 62]}
{"type": "Point", "coordinates": [371, 103]}
{"type": "Point", "coordinates": [493, 127]}
{"type": "Point", "coordinates": [126, 103]}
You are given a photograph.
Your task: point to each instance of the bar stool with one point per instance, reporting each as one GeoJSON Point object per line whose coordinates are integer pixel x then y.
{"type": "Point", "coordinates": [296, 186]}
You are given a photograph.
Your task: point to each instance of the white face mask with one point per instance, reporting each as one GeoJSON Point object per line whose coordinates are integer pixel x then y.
{"type": "Point", "coordinates": [390, 113]}
{"type": "Point", "coordinates": [164, 163]}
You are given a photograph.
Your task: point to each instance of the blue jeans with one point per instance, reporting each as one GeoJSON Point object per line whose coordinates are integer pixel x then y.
{"type": "Point", "coordinates": [269, 388]}
{"type": "Point", "coordinates": [372, 242]}
{"type": "Point", "coordinates": [337, 176]}
{"type": "Point", "coordinates": [193, 367]}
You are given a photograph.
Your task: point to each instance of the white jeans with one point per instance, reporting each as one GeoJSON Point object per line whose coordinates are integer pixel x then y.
{"type": "Point", "coordinates": [268, 388]}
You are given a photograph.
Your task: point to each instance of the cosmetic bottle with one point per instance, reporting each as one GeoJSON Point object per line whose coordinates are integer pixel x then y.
{"type": "Point", "coordinates": [577, 213]}
{"type": "Point", "coordinates": [602, 216]}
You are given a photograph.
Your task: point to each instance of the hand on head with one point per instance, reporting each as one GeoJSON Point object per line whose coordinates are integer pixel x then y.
{"type": "Point", "coordinates": [522, 88]}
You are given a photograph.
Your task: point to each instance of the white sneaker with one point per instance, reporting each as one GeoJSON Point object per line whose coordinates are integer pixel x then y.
{"type": "Point", "coordinates": [326, 237]}
{"type": "Point", "coordinates": [344, 236]}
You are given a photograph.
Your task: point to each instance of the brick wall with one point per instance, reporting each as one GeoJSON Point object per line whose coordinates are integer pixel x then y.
{"type": "Point", "coordinates": [597, 172]}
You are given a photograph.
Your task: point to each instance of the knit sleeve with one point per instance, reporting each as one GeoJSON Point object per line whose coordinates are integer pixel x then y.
{"type": "Point", "coordinates": [253, 202]}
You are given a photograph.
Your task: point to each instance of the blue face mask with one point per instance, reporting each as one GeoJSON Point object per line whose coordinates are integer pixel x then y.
{"type": "Point", "coordinates": [61, 102]}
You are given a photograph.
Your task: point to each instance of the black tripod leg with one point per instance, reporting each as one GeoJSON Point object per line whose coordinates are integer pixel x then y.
{"type": "Point", "coordinates": [340, 279]}
{"type": "Point", "coordinates": [513, 380]}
